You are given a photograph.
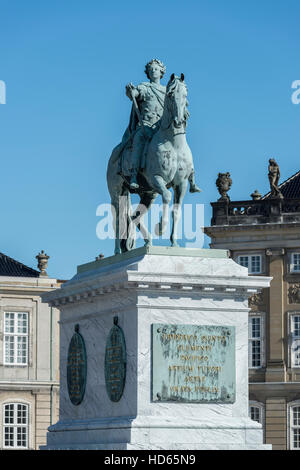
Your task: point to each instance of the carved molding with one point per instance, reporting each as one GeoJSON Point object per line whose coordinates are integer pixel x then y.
{"type": "Point", "coordinates": [275, 251]}
{"type": "Point", "coordinates": [256, 299]}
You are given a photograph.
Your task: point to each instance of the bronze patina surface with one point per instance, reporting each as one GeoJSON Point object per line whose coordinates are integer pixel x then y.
{"type": "Point", "coordinates": [115, 362]}
{"type": "Point", "coordinates": [76, 368]}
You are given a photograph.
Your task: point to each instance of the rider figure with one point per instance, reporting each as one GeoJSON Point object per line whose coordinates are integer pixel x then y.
{"type": "Point", "coordinates": [150, 98]}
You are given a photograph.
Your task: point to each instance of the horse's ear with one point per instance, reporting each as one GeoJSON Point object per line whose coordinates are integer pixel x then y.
{"type": "Point", "coordinates": [172, 77]}
{"type": "Point", "coordinates": [182, 77]}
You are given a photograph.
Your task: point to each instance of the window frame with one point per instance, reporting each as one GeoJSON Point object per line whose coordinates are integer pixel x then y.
{"type": "Point", "coordinates": [15, 425]}
{"type": "Point", "coordinates": [291, 339]}
{"type": "Point", "coordinates": [261, 407]}
{"type": "Point", "coordinates": [292, 263]}
{"type": "Point", "coordinates": [261, 316]}
{"type": "Point", "coordinates": [291, 406]}
{"type": "Point", "coordinates": [250, 256]}
{"type": "Point", "coordinates": [16, 337]}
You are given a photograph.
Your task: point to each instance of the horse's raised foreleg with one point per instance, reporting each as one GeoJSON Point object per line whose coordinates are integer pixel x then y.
{"type": "Point", "coordinates": [179, 193]}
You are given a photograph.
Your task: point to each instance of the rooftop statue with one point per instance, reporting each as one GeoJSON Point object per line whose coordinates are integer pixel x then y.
{"type": "Point", "coordinates": [152, 157]}
{"type": "Point", "coordinates": [274, 175]}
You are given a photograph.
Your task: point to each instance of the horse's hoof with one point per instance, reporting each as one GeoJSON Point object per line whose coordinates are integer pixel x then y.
{"type": "Point", "coordinates": [148, 242]}
{"type": "Point", "coordinates": [130, 244]}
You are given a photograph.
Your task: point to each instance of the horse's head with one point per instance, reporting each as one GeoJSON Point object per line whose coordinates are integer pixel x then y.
{"type": "Point", "coordinates": [176, 100]}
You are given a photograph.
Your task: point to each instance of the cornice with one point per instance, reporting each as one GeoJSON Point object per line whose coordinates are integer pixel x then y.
{"type": "Point", "coordinates": [249, 227]}
{"type": "Point", "coordinates": [160, 283]}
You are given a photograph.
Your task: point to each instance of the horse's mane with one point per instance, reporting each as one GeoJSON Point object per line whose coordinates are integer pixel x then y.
{"type": "Point", "coordinates": [171, 87]}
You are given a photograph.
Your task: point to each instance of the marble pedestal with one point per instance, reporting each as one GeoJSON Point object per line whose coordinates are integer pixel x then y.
{"type": "Point", "coordinates": [145, 287]}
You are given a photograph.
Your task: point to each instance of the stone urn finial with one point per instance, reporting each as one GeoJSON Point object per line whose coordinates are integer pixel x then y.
{"type": "Point", "coordinates": [256, 195]}
{"type": "Point", "coordinates": [42, 258]}
{"type": "Point", "coordinates": [223, 184]}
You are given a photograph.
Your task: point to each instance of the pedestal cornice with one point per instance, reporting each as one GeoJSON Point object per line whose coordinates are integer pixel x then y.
{"type": "Point", "coordinates": [160, 269]}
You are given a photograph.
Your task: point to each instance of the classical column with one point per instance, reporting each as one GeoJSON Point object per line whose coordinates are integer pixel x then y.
{"type": "Point", "coordinates": [276, 368]}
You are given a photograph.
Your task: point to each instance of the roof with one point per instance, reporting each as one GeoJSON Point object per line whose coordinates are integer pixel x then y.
{"type": "Point", "coordinates": [290, 188]}
{"type": "Point", "coordinates": [11, 267]}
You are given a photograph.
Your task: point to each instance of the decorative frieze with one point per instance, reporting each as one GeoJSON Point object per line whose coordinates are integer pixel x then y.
{"type": "Point", "coordinates": [91, 294]}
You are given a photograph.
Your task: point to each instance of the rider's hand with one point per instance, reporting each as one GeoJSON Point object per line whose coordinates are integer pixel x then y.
{"type": "Point", "coordinates": [131, 91]}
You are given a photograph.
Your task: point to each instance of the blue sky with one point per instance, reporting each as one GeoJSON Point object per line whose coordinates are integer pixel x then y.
{"type": "Point", "coordinates": [66, 63]}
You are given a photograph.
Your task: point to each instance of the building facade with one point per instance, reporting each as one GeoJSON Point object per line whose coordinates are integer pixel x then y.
{"type": "Point", "coordinates": [29, 356]}
{"type": "Point", "coordinates": [263, 234]}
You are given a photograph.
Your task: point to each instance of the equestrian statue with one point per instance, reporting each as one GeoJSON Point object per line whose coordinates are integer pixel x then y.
{"type": "Point", "coordinates": [152, 157]}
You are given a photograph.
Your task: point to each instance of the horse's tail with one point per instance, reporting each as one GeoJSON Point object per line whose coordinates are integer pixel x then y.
{"type": "Point", "coordinates": [128, 243]}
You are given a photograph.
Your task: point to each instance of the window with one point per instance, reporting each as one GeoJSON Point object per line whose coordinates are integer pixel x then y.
{"type": "Point", "coordinates": [15, 426]}
{"type": "Point", "coordinates": [252, 262]}
{"type": "Point", "coordinates": [257, 413]}
{"type": "Point", "coordinates": [256, 341]}
{"type": "Point", "coordinates": [15, 338]}
{"type": "Point", "coordinates": [295, 263]}
{"type": "Point", "coordinates": [295, 427]}
{"type": "Point", "coordinates": [295, 340]}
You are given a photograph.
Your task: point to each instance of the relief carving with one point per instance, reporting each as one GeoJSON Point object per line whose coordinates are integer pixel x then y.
{"type": "Point", "coordinates": [255, 300]}
{"type": "Point", "coordinates": [294, 293]}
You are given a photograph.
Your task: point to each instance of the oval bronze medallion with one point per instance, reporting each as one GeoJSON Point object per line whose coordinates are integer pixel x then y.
{"type": "Point", "coordinates": [115, 362]}
{"type": "Point", "coordinates": [76, 368]}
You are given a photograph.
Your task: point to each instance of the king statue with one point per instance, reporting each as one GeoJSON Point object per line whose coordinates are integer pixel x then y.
{"type": "Point", "coordinates": [148, 105]}
{"type": "Point", "coordinates": [152, 159]}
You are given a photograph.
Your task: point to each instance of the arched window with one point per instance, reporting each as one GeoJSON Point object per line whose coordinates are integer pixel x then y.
{"type": "Point", "coordinates": [15, 425]}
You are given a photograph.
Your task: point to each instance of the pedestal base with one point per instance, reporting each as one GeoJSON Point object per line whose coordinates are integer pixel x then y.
{"type": "Point", "coordinates": [175, 308]}
{"type": "Point", "coordinates": [156, 434]}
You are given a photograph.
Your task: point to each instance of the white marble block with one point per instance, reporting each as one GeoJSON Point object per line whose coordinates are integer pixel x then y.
{"type": "Point", "coordinates": [145, 287]}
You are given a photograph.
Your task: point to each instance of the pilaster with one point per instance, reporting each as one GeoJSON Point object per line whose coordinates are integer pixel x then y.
{"type": "Point", "coordinates": [276, 422]}
{"type": "Point", "coordinates": [276, 367]}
